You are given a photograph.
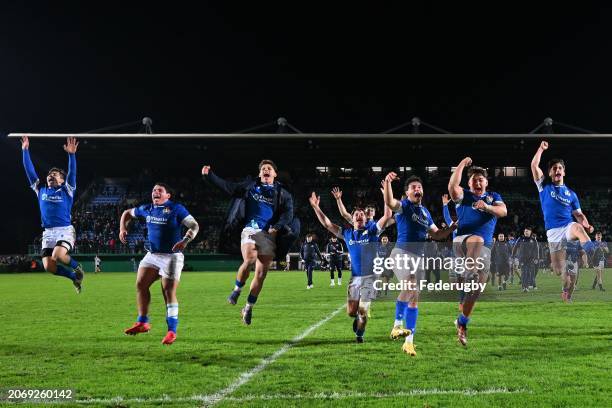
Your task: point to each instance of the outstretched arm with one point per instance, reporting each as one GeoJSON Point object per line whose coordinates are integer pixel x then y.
{"type": "Point", "coordinates": [387, 215]}
{"type": "Point", "coordinates": [390, 201]}
{"type": "Point", "coordinates": [226, 186]}
{"type": "Point", "coordinates": [27, 163]}
{"type": "Point", "coordinates": [445, 211]}
{"type": "Point", "coordinates": [337, 193]}
{"type": "Point", "coordinates": [536, 171]}
{"type": "Point", "coordinates": [330, 226]}
{"type": "Point", "coordinates": [454, 187]}
{"type": "Point", "coordinates": [123, 224]}
{"type": "Point", "coordinates": [71, 147]}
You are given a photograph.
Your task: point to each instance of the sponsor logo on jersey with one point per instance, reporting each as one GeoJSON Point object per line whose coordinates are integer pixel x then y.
{"type": "Point", "coordinates": [52, 198]}
{"type": "Point", "coordinates": [560, 198]}
{"type": "Point", "coordinates": [156, 220]}
{"type": "Point", "coordinates": [420, 219]}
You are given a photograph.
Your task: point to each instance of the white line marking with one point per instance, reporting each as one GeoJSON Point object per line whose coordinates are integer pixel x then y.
{"type": "Point", "coordinates": [305, 396]}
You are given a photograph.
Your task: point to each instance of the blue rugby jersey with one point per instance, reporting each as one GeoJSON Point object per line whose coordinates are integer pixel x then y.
{"type": "Point", "coordinates": [163, 224]}
{"type": "Point", "coordinates": [558, 203]}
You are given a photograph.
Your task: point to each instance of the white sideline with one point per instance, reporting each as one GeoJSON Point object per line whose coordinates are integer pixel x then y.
{"type": "Point", "coordinates": [209, 400]}
{"type": "Point", "coordinates": [205, 399]}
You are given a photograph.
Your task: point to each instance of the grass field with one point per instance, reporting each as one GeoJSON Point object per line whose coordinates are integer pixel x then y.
{"type": "Point", "coordinates": [537, 353]}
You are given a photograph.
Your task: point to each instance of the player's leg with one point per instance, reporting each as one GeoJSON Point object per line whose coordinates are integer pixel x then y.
{"type": "Point", "coordinates": [147, 274]}
{"type": "Point", "coordinates": [49, 241]}
{"type": "Point", "coordinates": [169, 287]}
{"type": "Point", "coordinates": [261, 270]}
{"type": "Point", "coordinates": [309, 268]}
{"type": "Point", "coordinates": [60, 256]}
{"type": "Point", "coordinates": [577, 232]}
{"type": "Point", "coordinates": [474, 249]}
{"type": "Point", "coordinates": [332, 269]}
{"type": "Point", "coordinates": [249, 256]}
{"type": "Point", "coordinates": [339, 269]}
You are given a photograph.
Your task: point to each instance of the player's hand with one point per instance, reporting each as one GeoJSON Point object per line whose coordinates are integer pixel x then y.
{"type": "Point", "coordinates": [123, 236]}
{"type": "Point", "coordinates": [25, 143]}
{"type": "Point", "coordinates": [589, 228]}
{"type": "Point", "coordinates": [453, 226]}
{"type": "Point", "coordinates": [71, 145]}
{"type": "Point", "coordinates": [445, 199]}
{"type": "Point", "coordinates": [466, 161]}
{"type": "Point", "coordinates": [179, 246]}
{"type": "Point", "coordinates": [337, 193]}
{"type": "Point", "coordinates": [480, 205]}
{"type": "Point", "coordinates": [391, 176]}
{"type": "Point", "coordinates": [314, 200]}
{"type": "Point", "coordinates": [544, 145]}
{"type": "Point", "coordinates": [205, 170]}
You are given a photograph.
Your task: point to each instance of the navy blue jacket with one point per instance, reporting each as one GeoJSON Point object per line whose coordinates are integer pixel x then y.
{"type": "Point", "coordinates": [283, 221]}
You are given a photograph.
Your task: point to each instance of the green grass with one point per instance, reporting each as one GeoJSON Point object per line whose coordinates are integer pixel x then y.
{"type": "Point", "coordinates": [536, 353]}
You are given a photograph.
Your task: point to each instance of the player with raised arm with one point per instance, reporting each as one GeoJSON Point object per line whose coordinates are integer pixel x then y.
{"type": "Point", "coordinates": [265, 210]}
{"type": "Point", "coordinates": [477, 214]}
{"type": "Point", "coordinates": [164, 258]}
{"type": "Point", "coordinates": [55, 201]}
{"type": "Point", "coordinates": [560, 207]}
{"type": "Point", "coordinates": [369, 210]}
{"type": "Point", "coordinates": [414, 222]}
{"type": "Point", "coordinates": [359, 240]}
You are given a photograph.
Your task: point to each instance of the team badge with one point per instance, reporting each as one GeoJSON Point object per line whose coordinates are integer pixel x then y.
{"type": "Point", "coordinates": [167, 210]}
{"type": "Point", "coordinates": [489, 199]}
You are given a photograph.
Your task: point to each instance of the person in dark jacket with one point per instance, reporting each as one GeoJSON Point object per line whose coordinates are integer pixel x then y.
{"type": "Point", "coordinates": [500, 258]}
{"type": "Point", "coordinates": [526, 249]}
{"type": "Point", "coordinates": [264, 210]}
{"type": "Point", "coordinates": [335, 251]}
{"type": "Point", "coordinates": [309, 252]}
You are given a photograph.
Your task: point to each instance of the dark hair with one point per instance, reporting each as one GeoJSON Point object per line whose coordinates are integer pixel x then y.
{"type": "Point", "coordinates": [166, 187]}
{"type": "Point", "coordinates": [529, 228]}
{"type": "Point", "coordinates": [475, 170]}
{"type": "Point", "coordinates": [552, 162]}
{"type": "Point", "coordinates": [373, 206]}
{"type": "Point", "coordinates": [412, 179]}
{"type": "Point", "coordinates": [270, 162]}
{"type": "Point", "coordinates": [598, 232]}
{"type": "Point", "coordinates": [357, 209]}
{"type": "Point", "coordinates": [311, 235]}
{"type": "Point", "coordinates": [60, 171]}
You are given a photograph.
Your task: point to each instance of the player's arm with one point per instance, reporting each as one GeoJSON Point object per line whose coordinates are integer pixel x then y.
{"type": "Point", "coordinates": [445, 211]}
{"type": "Point", "coordinates": [454, 184]}
{"type": "Point", "coordinates": [440, 234]}
{"type": "Point", "coordinates": [227, 186]}
{"type": "Point", "coordinates": [126, 217]}
{"type": "Point", "coordinates": [326, 222]}
{"type": "Point", "coordinates": [318, 252]}
{"type": "Point", "coordinates": [286, 214]}
{"type": "Point", "coordinates": [390, 201]}
{"type": "Point", "coordinates": [192, 230]}
{"type": "Point", "coordinates": [536, 171]}
{"type": "Point", "coordinates": [337, 193]}
{"type": "Point", "coordinates": [582, 220]}
{"type": "Point", "coordinates": [71, 148]}
{"type": "Point", "coordinates": [28, 165]}
{"type": "Point", "coordinates": [387, 215]}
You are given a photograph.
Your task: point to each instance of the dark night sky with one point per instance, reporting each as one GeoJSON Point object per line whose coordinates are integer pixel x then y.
{"type": "Point", "coordinates": [352, 68]}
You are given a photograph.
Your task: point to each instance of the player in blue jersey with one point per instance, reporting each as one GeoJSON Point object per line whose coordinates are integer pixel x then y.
{"type": "Point", "coordinates": [55, 200]}
{"type": "Point", "coordinates": [164, 258]}
{"type": "Point", "coordinates": [369, 210]}
{"type": "Point", "coordinates": [414, 223]}
{"type": "Point", "coordinates": [477, 214]}
{"type": "Point", "coordinates": [560, 207]}
{"type": "Point", "coordinates": [360, 240]}
{"type": "Point", "coordinates": [264, 208]}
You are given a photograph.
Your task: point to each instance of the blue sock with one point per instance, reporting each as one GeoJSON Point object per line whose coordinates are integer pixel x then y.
{"type": "Point", "coordinates": [252, 299]}
{"type": "Point", "coordinates": [462, 320]}
{"type": "Point", "coordinates": [65, 272]}
{"type": "Point", "coordinates": [588, 246]}
{"type": "Point", "coordinates": [73, 264]}
{"type": "Point", "coordinates": [239, 284]}
{"type": "Point", "coordinates": [142, 319]}
{"type": "Point", "coordinates": [400, 308]}
{"type": "Point", "coordinates": [358, 333]}
{"type": "Point", "coordinates": [411, 314]}
{"type": "Point", "coordinates": [172, 316]}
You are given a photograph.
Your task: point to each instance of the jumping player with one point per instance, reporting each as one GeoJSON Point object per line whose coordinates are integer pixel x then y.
{"type": "Point", "coordinates": [477, 214]}
{"type": "Point", "coordinates": [267, 211]}
{"type": "Point", "coordinates": [414, 222]}
{"type": "Point", "coordinates": [358, 239]}
{"type": "Point", "coordinates": [164, 258]}
{"type": "Point", "coordinates": [560, 206]}
{"type": "Point", "coordinates": [55, 202]}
